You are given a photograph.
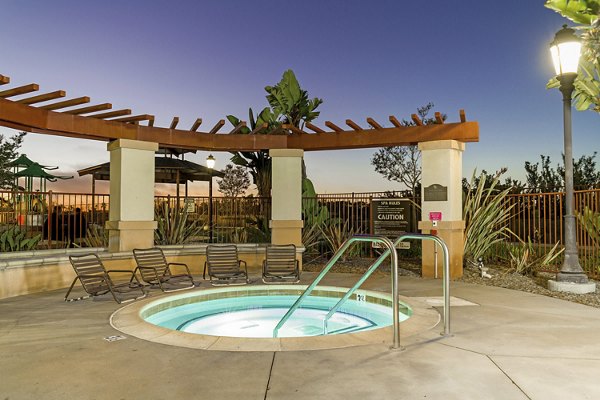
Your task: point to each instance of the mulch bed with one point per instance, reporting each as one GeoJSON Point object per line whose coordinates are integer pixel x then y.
{"type": "Point", "coordinates": [501, 277]}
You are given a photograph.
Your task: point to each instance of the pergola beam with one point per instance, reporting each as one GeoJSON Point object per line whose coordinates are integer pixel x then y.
{"type": "Point", "coordinates": [136, 118]}
{"type": "Point", "coordinates": [196, 125]}
{"type": "Point", "coordinates": [374, 123]}
{"type": "Point", "coordinates": [416, 119]}
{"type": "Point", "coordinates": [438, 117]}
{"type": "Point", "coordinates": [259, 128]}
{"type": "Point", "coordinates": [395, 121]}
{"type": "Point", "coordinates": [4, 80]}
{"type": "Point", "coordinates": [314, 128]}
{"type": "Point", "coordinates": [174, 123]}
{"type": "Point", "coordinates": [217, 126]}
{"type": "Point", "coordinates": [32, 87]}
{"type": "Point", "coordinates": [36, 119]}
{"type": "Point", "coordinates": [90, 109]}
{"type": "Point", "coordinates": [463, 116]}
{"type": "Point", "coordinates": [237, 128]}
{"type": "Point", "coordinates": [67, 103]}
{"type": "Point", "coordinates": [333, 126]}
{"type": "Point", "coordinates": [43, 97]}
{"type": "Point", "coordinates": [111, 114]}
{"type": "Point", "coordinates": [353, 125]}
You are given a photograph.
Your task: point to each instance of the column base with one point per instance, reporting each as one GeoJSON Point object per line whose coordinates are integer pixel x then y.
{"type": "Point", "coordinates": [452, 233]}
{"type": "Point", "coordinates": [572, 287]}
{"type": "Point", "coordinates": [572, 277]}
{"type": "Point", "coordinates": [129, 235]}
{"type": "Point", "coordinates": [286, 232]}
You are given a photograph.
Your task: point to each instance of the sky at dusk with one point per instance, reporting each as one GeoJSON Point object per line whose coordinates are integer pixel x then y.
{"type": "Point", "coordinates": [374, 59]}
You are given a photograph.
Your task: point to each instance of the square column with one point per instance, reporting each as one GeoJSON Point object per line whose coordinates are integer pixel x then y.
{"type": "Point", "coordinates": [286, 196]}
{"type": "Point", "coordinates": [131, 214]}
{"type": "Point", "coordinates": [441, 192]}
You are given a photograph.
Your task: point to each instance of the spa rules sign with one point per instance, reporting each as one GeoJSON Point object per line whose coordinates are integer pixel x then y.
{"type": "Point", "coordinates": [391, 217]}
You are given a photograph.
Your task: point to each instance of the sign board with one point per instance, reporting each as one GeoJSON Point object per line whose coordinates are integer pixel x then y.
{"type": "Point", "coordinates": [435, 192]}
{"type": "Point", "coordinates": [392, 217]}
{"type": "Point", "coordinates": [190, 206]}
{"type": "Point", "coordinates": [435, 216]}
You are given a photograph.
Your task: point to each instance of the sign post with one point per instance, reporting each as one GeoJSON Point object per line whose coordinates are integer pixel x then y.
{"type": "Point", "coordinates": [434, 217]}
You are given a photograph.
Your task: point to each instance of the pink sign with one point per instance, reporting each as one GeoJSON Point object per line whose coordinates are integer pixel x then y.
{"type": "Point", "coordinates": [435, 216]}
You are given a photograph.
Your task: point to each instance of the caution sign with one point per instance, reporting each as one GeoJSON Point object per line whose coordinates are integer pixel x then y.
{"type": "Point", "coordinates": [391, 218]}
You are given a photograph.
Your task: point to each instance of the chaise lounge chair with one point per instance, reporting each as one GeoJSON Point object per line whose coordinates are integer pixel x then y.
{"type": "Point", "coordinates": [280, 264]}
{"type": "Point", "coordinates": [224, 266]}
{"type": "Point", "coordinates": [96, 280]}
{"type": "Point", "coordinates": [156, 271]}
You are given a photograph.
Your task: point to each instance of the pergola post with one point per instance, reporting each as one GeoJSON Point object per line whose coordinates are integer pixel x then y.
{"type": "Point", "coordinates": [441, 195]}
{"type": "Point", "coordinates": [286, 196]}
{"type": "Point", "coordinates": [131, 214]}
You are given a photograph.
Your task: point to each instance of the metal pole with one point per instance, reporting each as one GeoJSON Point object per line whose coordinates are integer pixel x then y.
{"type": "Point", "coordinates": [210, 209]}
{"type": "Point", "coordinates": [570, 271]}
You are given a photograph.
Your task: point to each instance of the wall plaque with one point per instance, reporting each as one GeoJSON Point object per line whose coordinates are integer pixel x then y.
{"type": "Point", "coordinates": [436, 192]}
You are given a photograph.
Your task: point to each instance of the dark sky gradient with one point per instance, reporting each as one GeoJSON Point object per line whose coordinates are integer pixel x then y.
{"type": "Point", "coordinates": [364, 58]}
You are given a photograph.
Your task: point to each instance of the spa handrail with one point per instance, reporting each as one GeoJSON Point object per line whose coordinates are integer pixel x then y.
{"type": "Point", "coordinates": [358, 238]}
{"type": "Point", "coordinates": [373, 267]}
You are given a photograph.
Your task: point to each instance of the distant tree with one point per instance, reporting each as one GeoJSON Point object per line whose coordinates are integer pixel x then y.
{"type": "Point", "coordinates": [543, 178]}
{"type": "Point", "coordinates": [9, 152]}
{"type": "Point", "coordinates": [493, 181]}
{"type": "Point", "coordinates": [585, 173]}
{"type": "Point", "coordinates": [403, 163]}
{"type": "Point", "coordinates": [235, 181]}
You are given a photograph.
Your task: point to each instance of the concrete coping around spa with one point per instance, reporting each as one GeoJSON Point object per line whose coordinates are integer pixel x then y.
{"type": "Point", "coordinates": [35, 258]}
{"type": "Point", "coordinates": [128, 320]}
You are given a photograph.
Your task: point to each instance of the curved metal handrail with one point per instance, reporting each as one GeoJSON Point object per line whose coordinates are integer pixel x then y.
{"type": "Point", "coordinates": [359, 238]}
{"type": "Point", "coordinates": [375, 265]}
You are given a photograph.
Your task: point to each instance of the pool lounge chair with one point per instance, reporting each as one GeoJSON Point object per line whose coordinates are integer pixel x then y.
{"type": "Point", "coordinates": [96, 280]}
{"type": "Point", "coordinates": [156, 271]}
{"type": "Point", "coordinates": [280, 264]}
{"type": "Point", "coordinates": [224, 266]}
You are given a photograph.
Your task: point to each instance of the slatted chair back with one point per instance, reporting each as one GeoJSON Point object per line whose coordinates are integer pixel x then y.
{"type": "Point", "coordinates": [154, 258]}
{"type": "Point", "coordinates": [91, 273]}
{"type": "Point", "coordinates": [222, 259]}
{"type": "Point", "coordinates": [281, 259]}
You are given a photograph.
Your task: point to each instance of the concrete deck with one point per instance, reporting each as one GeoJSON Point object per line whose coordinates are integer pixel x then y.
{"type": "Point", "coordinates": [512, 345]}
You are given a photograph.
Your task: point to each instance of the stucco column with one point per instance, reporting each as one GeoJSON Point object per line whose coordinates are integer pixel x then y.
{"type": "Point", "coordinates": [441, 192]}
{"type": "Point", "coordinates": [131, 214]}
{"type": "Point", "coordinates": [286, 196]}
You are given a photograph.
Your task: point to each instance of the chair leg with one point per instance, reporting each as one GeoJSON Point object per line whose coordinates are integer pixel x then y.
{"type": "Point", "coordinates": [71, 288]}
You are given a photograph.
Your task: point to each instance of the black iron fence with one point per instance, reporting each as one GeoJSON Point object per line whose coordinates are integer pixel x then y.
{"type": "Point", "coordinates": [73, 219]}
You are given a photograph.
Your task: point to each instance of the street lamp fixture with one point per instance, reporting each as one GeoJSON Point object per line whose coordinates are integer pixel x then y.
{"type": "Point", "coordinates": [210, 163]}
{"type": "Point", "coordinates": [565, 50]}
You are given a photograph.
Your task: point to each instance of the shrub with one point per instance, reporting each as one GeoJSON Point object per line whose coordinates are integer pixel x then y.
{"type": "Point", "coordinates": [14, 239]}
{"type": "Point", "coordinates": [485, 217]}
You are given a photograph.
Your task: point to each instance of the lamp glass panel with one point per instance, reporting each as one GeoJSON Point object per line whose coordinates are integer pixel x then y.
{"type": "Point", "coordinates": [565, 57]}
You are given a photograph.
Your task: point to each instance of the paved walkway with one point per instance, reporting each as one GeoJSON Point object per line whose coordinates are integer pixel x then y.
{"type": "Point", "coordinates": [512, 345]}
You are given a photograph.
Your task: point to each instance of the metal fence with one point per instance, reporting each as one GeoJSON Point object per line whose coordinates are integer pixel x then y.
{"type": "Point", "coordinates": [59, 219]}
{"type": "Point", "coordinates": [74, 219]}
{"type": "Point", "coordinates": [538, 218]}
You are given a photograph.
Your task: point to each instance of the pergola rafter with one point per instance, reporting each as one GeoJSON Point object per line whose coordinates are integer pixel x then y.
{"type": "Point", "coordinates": [23, 114]}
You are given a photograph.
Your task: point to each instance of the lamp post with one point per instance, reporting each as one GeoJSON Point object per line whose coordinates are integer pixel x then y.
{"type": "Point", "coordinates": [565, 50]}
{"type": "Point", "coordinates": [210, 163]}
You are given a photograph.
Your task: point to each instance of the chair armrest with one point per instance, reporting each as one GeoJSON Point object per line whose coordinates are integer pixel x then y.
{"type": "Point", "coordinates": [245, 266]}
{"type": "Point", "coordinates": [181, 265]}
{"type": "Point", "coordinates": [133, 275]}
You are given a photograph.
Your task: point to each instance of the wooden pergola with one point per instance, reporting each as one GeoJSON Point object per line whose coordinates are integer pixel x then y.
{"type": "Point", "coordinates": [100, 122]}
